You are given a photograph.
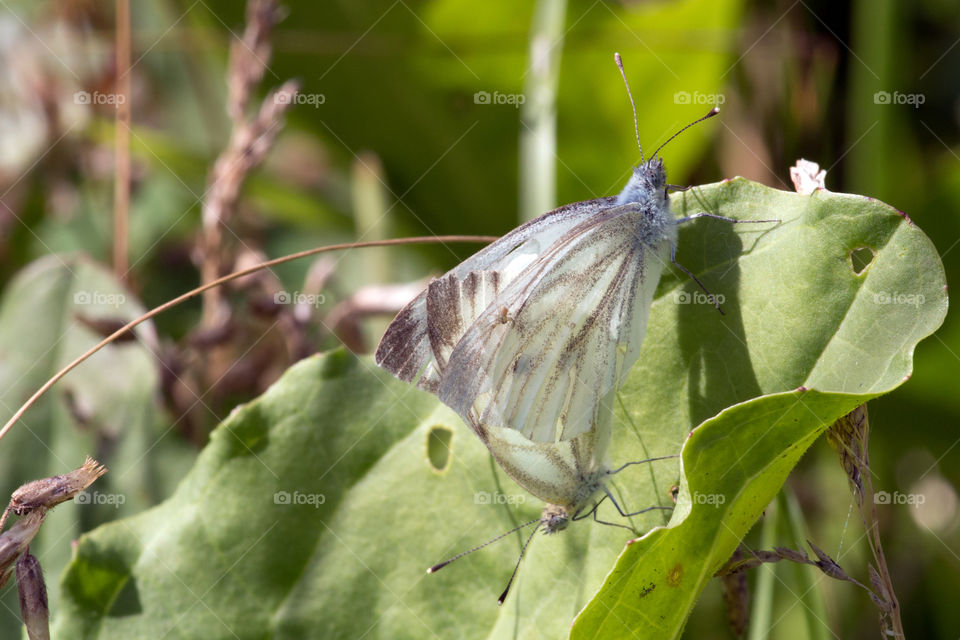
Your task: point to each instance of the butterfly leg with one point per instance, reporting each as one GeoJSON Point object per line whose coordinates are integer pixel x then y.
{"type": "Point", "coordinates": [635, 513]}
{"type": "Point", "coordinates": [613, 524]}
{"type": "Point", "coordinates": [622, 467]}
{"type": "Point", "coordinates": [3, 519]}
{"type": "Point", "coordinates": [717, 217]}
{"type": "Point", "coordinates": [614, 501]}
{"type": "Point", "coordinates": [593, 512]}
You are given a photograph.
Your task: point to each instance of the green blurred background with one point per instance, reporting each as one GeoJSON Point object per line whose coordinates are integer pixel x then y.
{"type": "Point", "coordinates": [392, 137]}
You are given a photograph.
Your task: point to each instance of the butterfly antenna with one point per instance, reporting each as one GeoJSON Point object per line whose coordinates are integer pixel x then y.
{"type": "Point", "coordinates": [437, 567]}
{"type": "Point", "coordinates": [712, 113]}
{"type": "Point", "coordinates": [516, 567]}
{"type": "Point", "coordinates": [636, 128]}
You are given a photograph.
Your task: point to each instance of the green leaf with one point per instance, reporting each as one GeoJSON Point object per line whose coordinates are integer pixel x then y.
{"type": "Point", "coordinates": [248, 547]}
{"type": "Point", "coordinates": [805, 340]}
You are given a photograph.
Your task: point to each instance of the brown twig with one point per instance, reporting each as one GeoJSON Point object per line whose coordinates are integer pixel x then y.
{"type": "Point", "coordinates": [372, 300]}
{"type": "Point", "coordinates": [216, 283]}
{"type": "Point", "coordinates": [736, 596]}
{"type": "Point", "coordinates": [121, 184]}
{"type": "Point", "coordinates": [250, 139]}
{"type": "Point", "coordinates": [17, 539]}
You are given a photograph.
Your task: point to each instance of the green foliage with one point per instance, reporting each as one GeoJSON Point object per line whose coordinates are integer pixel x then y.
{"type": "Point", "coordinates": [398, 81]}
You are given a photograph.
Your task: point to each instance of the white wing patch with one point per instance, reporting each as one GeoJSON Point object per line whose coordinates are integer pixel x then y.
{"type": "Point", "coordinates": [578, 315]}
{"type": "Point", "coordinates": [405, 349]}
{"type": "Point", "coordinates": [532, 332]}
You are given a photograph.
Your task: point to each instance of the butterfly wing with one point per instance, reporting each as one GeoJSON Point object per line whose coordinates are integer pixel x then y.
{"type": "Point", "coordinates": [562, 473]}
{"type": "Point", "coordinates": [577, 314]}
{"type": "Point", "coordinates": [415, 349]}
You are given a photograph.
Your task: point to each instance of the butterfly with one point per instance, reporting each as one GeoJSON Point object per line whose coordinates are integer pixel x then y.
{"type": "Point", "coordinates": [530, 338]}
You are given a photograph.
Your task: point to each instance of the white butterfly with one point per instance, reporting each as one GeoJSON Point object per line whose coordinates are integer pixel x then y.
{"type": "Point", "coordinates": [529, 339]}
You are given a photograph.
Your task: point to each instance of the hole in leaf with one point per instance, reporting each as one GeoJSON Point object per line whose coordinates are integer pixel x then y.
{"type": "Point", "coordinates": [860, 259]}
{"type": "Point", "coordinates": [674, 492]}
{"type": "Point", "coordinates": [438, 447]}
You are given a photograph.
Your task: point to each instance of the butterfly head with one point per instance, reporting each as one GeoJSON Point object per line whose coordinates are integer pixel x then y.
{"type": "Point", "coordinates": [647, 185]}
{"type": "Point", "coordinates": [554, 518]}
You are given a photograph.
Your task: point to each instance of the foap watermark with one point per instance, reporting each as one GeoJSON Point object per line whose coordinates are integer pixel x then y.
{"type": "Point", "coordinates": [697, 297]}
{"type": "Point", "coordinates": [485, 97]}
{"type": "Point", "coordinates": [912, 499]}
{"type": "Point", "coordinates": [716, 499]}
{"type": "Point", "coordinates": [85, 97]}
{"type": "Point", "coordinates": [297, 499]}
{"type": "Point", "coordinates": [99, 298]}
{"type": "Point", "coordinates": [685, 97]}
{"type": "Point", "coordinates": [95, 497]}
{"type": "Point", "coordinates": [298, 298]}
{"type": "Point", "coordinates": [912, 99]}
{"type": "Point", "coordinates": [909, 299]}
{"type": "Point", "coordinates": [312, 99]}
{"type": "Point", "coordinates": [485, 497]}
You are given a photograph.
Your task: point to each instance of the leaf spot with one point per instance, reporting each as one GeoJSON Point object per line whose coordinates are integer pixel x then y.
{"type": "Point", "coordinates": [675, 575]}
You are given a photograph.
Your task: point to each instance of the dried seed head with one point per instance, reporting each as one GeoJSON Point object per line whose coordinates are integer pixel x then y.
{"type": "Point", "coordinates": [50, 492]}
{"type": "Point", "coordinates": [848, 436]}
{"type": "Point", "coordinates": [33, 598]}
{"type": "Point", "coordinates": [17, 539]}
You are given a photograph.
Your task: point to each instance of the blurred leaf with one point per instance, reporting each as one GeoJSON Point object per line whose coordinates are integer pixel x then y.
{"type": "Point", "coordinates": [105, 408]}
{"type": "Point", "coordinates": [761, 605]}
{"type": "Point", "coordinates": [315, 509]}
{"type": "Point", "coordinates": [809, 583]}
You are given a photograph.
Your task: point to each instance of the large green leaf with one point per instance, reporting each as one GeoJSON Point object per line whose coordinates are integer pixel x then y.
{"type": "Point", "coordinates": [806, 335]}
{"type": "Point", "coordinates": [227, 556]}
